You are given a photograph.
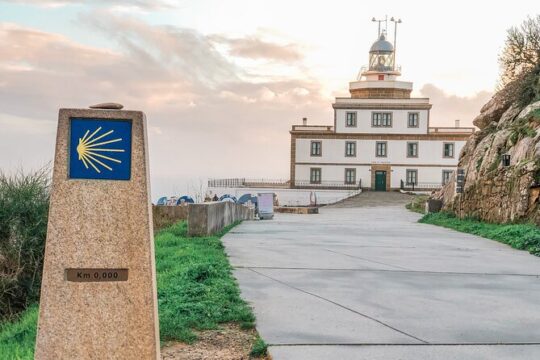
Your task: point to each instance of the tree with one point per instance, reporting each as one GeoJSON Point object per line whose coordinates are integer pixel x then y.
{"type": "Point", "coordinates": [520, 61]}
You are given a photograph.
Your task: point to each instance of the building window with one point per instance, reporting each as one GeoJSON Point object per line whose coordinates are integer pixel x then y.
{"type": "Point", "coordinates": [350, 176]}
{"type": "Point", "coordinates": [413, 119]}
{"type": "Point", "coordinates": [350, 148]}
{"type": "Point", "coordinates": [381, 77]}
{"type": "Point", "coordinates": [350, 119]}
{"type": "Point", "coordinates": [448, 150]}
{"type": "Point", "coordinates": [381, 119]}
{"type": "Point", "coordinates": [412, 177]}
{"type": "Point", "coordinates": [381, 149]}
{"type": "Point", "coordinates": [316, 148]}
{"type": "Point", "coordinates": [315, 175]}
{"type": "Point", "coordinates": [446, 176]}
{"type": "Point", "coordinates": [412, 149]}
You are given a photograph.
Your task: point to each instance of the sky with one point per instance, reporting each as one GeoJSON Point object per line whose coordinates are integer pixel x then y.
{"type": "Point", "coordinates": [221, 82]}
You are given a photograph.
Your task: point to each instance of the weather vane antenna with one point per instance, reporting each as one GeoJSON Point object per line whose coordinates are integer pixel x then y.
{"type": "Point", "coordinates": [396, 21]}
{"type": "Point", "coordinates": [379, 21]}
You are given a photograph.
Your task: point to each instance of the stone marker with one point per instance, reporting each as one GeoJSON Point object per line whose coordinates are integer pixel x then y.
{"type": "Point", "coordinates": [98, 296]}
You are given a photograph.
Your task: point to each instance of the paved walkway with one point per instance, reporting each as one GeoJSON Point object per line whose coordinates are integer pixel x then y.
{"type": "Point", "coordinates": [372, 283]}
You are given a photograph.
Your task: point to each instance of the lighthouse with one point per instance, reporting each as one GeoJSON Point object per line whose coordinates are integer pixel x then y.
{"type": "Point", "coordinates": [379, 138]}
{"type": "Point", "coordinates": [379, 80]}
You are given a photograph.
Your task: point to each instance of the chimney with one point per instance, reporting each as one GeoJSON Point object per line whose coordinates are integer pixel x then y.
{"type": "Point", "coordinates": [457, 123]}
{"type": "Point", "coordinates": [304, 121]}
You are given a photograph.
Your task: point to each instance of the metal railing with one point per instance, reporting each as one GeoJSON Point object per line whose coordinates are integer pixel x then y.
{"type": "Point", "coordinates": [349, 100]}
{"type": "Point", "coordinates": [421, 186]}
{"type": "Point", "coordinates": [243, 182]}
{"type": "Point", "coordinates": [285, 184]}
{"type": "Point", "coordinates": [333, 185]}
{"type": "Point", "coordinates": [365, 68]}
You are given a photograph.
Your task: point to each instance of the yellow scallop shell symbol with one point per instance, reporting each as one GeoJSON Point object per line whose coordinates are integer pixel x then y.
{"type": "Point", "coordinates": [91, 152]}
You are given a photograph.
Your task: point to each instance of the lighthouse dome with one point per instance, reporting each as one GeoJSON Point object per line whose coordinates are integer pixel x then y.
{"type": "Point", "coordinates": [382, 45]}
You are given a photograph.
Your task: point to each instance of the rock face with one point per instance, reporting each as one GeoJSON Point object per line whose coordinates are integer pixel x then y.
{"type": "Point", "coordinates": [494, 192]}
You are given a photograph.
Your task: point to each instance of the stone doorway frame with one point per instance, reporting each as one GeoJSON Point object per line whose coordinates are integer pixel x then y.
{"type": "Point", "coordinates": [381, 167]}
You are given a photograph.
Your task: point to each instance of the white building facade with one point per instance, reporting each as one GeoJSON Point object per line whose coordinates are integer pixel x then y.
{"type": "Point", "coordinates": [381, 138]}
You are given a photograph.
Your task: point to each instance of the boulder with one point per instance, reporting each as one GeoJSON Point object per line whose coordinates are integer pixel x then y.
{"type": "Point", "coordinates": [493, 110]}
{"type": "Point", "coordinates": [508, 116]}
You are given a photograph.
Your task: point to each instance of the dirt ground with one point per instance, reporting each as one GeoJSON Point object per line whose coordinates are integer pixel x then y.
{"type": "Point", "coordinates": [228, 343]}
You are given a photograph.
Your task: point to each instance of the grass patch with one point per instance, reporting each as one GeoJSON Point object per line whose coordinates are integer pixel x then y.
{"type": "Point", "coordinates": [418, 204]}
{"type": "Point", "coordinates": [18, 337]}
{"type": "Point", "coordinates": [518, 236]}
{"type": "Point", "coordinates": [259, 349]}
{"type": "Point", "coordinates": [196, 291]}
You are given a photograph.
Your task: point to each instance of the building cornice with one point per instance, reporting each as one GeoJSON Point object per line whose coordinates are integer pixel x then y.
{"type": "Point", "coordinates": [385, 84]}
{"type": "Point", "coordinates": [364, 136]}
{"type": "Point", "coordinates": [382, 106]}
{"type": "Point", "coordinates": [411, 164]}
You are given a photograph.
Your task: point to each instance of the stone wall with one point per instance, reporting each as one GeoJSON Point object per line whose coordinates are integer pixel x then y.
{"type": "Point", "coordinates": [493, 192]}
{"type": "Point", "coordinates": [380, 93]}
{"type": "Point", "coordinates": [297, 210]}
{"type": "Point", "coordinates": [210, 218]}
{"type": "Point", "coordinates": [167, 215]}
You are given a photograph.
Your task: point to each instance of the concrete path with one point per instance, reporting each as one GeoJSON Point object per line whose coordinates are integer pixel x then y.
{"type": "Point", "coordinates": [369, 282]}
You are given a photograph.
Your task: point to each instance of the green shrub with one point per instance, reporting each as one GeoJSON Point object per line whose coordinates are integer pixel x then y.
{"type": "Point", "coordinates": [519, 236]}
{"type": "Point", "coordinates": [259, 348]}
{"type": "Point", "coordinates": [479, 163]}
{"type": "Point", "coordinates": [418, 204]}
{"type": "Point", "coordinates": [24, 204]}
{"type": "Point", "coordinates": [521, 129]}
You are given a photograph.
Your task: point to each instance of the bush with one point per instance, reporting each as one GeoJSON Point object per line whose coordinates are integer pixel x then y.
{"type": "Point", "coordinates": [259, 349]}
{"type": "Point", "coordinates": [418, 204]}
{"type": "Point", "coordinates": [24, 204]}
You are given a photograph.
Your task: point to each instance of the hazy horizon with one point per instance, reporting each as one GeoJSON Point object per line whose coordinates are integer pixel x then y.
{"type": "Point", "coordinates": [222, 83]}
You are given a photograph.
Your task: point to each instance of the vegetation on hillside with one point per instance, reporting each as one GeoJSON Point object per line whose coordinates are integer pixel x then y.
{"type": "Point", "coordinates": [520, 61]}
{"type": "Point", "coordinates": [196, 291]}
{"type": "Point", "coordinates": [24, 204]}
{"type": "Point", "coordinates": [519, 236]}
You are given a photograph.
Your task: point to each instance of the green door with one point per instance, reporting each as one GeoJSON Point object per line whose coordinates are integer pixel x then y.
{"type": "Point", "coordinates": [380, 180]}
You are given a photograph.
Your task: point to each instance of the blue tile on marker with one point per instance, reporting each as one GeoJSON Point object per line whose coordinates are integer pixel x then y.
{"type": "Point", "coordinates": [100, 149]}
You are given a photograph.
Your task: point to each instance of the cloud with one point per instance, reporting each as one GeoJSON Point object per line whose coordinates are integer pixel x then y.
{"type": "Point", "coordinates": [207, 115]}
{"type": "Point", "coordinates": [182, 53]}
{"type": "Point", "coordinates": [447, 108]}
{"type": "Point", "coordinates": [141, 4]}
{"type": "Point", "coordinates": [256, 48]}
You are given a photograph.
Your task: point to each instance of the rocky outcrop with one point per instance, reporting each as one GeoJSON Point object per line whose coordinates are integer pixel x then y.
{"type": "Point", "coordinates": [493, 192]}
{"type": "Point", "coordinates": [494, 108]}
